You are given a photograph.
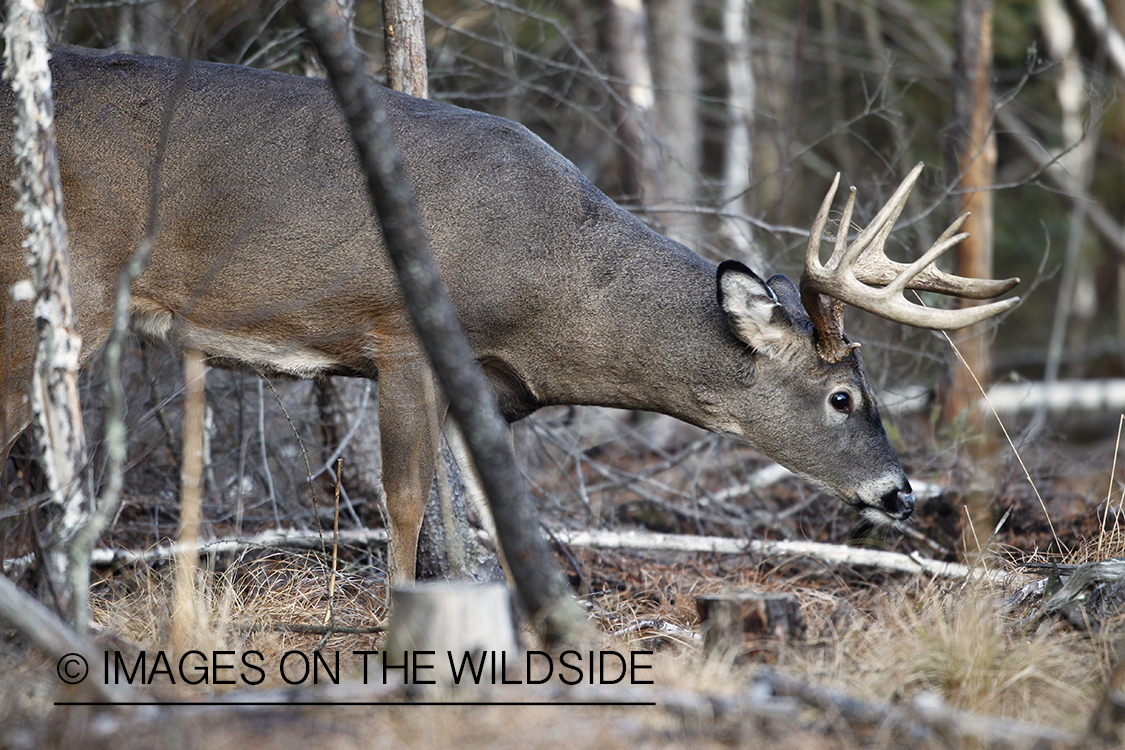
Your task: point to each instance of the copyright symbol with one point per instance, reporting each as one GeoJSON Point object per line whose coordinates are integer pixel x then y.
{"type": "Point", "coordinates": [72, 669]}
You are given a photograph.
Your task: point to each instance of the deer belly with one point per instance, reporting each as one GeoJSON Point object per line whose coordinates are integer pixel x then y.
{"type": "Point", "coordinates": [227, 349]}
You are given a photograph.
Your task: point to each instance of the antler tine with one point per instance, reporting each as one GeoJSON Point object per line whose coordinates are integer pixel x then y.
{"type": "Point", "coordinates": [812, 253]}
{"type": "Point", "coordinates": [910, 271]}
{"type": "Point", "coordinates": [900, 310]}
{"type": "Point", "coordinates": [873, 238]}
{"type": "Point", "coordinates": [866, 278]}
{"type": "Point", "coordinates": [838, 250]}
{"type": "Point", "coordinates": [880, 270]}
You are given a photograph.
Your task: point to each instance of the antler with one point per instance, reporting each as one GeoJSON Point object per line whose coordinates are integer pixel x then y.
{"type": "Point", "coordinates": [862, 275]}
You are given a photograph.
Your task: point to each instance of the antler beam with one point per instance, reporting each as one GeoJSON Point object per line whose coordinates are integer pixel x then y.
{"type": "Point", "coordinates": [862, 275]}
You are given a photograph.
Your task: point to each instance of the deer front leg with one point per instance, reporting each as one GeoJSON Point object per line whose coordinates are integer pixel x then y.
{"type": "Point", "coordinates": [411, 410]}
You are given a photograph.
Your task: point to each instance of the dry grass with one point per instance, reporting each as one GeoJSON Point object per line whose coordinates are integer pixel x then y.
{"type": "Point", "coordinates": [961, 643]}
{"type": "Point", "coordinates": [253, 605]}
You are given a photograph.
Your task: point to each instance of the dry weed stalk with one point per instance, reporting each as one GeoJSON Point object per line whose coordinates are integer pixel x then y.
{"type": "Point", "coordinates": [1112, 539]}
{"type": "Point", "coordinates": [188, 622]}
{"type": "Point", "coordinates": [1007, 437]}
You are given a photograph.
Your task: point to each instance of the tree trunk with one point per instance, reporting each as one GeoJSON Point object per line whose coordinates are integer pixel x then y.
{"type": "Point", "coordinates": [148, 29]}
{"type": "Point", "coordinates": [349, 411]}
{"type": "Point", "coordinates": [675, 77]}
{"type": "Point", "coordinates": [56, 415]}
{"type": "Point", "coordinates": [626, 43]}
{"type": "Point", "coordinates": [973, 158]}
{"type": "Point", "coordinates": [1076, 305]}
{"type": "Point", "coordinates": [1116, 10]}
{"type": "Point", "coordinates": [738, 163]}
{"type": "Point", "coordinates": [404, 37]}
{"type": "Point", "coordinates": [447, 545]}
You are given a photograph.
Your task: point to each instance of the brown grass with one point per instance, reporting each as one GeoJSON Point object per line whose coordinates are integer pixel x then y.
{"type": "Point", "coordinates": [960, 642]}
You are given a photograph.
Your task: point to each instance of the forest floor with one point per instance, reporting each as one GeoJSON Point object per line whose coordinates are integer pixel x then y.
{"type": "Point", "coordinates": [877, 647]}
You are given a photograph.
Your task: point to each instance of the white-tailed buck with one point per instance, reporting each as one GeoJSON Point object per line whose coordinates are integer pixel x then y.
{"type": "Point", "coordinates": [267, 257]}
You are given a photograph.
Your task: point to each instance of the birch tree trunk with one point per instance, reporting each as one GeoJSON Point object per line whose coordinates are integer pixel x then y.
{"type": "Point", "coordinates": [675, 77]}
{"type": "Point", "coordinates": [738, 163]}
{"type": "Point", "coordinates": [57, 418]}
{"type": "Point", "coordinates": [626, 42]}
{"type": "Point", "coordinates": [1076, 305]}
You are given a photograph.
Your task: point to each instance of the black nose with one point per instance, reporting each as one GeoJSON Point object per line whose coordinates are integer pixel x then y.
{"type": "Point", "coordinates": [899, 504]}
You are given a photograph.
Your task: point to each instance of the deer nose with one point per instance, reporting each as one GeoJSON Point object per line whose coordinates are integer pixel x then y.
{"type": "Point", "coordinates": [899, 504]}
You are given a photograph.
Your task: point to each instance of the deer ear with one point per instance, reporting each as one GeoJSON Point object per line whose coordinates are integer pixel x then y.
{"type": "Point", "coordinates": [753, 310]}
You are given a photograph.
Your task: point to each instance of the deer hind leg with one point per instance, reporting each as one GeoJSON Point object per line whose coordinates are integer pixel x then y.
{"type": "Point", "coordinates": [411, 409]}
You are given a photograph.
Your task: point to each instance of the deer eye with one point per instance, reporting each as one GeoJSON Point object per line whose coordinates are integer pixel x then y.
{"type": "Point", "coordinates": [841, 402]}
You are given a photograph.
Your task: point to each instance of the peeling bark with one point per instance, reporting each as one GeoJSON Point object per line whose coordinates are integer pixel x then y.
{"type": "Point", "coordinates": [57, 418]}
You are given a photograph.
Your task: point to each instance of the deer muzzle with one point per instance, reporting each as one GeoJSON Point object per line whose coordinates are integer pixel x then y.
{"type": "Point", "coordinates": [898, 504]}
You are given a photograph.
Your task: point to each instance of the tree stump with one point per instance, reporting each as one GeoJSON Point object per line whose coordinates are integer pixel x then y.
{"type": "Point", "coordinates": [451, 617]}
{"type": "Point", "coordinates": [749, 623]}
{"type": "Point", "coordinates": [448, 547]}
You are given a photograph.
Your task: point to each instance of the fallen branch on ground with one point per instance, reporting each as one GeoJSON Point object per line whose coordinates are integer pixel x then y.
{"type": "Point", "coordinates": [277, 538]}
{"type": "Point", "coordinates": [837, 554]}
{"type": "Point", "coordinates": [832, 553]}
{"type": "Point", "coordinates": [57, 640]}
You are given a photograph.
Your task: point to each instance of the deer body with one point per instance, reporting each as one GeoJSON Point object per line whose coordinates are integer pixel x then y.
{"type": "Point", "coordinates": [267, 257]}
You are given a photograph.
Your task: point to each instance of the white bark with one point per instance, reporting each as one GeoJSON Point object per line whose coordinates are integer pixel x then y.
{"type": "Point", "coordinates": [54, 389]}
{"type": "Point", "coordinates": [738, 165]}
{"type": "Point", "coordinates": [628, 59]}
{"type": "Point", "coordinates": [605, 539]}
{"type": "Point", "coordinates": [1111, 37]}
{"type": "Point", "coordinates": [1106, 397]}
{"type": "Point", "coordinates": [1059, 33]}
{"type": "Point", "coordinates": [834, 553]}
{"type": "Point", "coordinates": [674, 62]}
{"type": "Point", "coordinates": [453, 617]}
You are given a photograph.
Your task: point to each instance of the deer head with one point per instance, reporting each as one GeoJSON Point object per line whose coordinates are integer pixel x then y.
{"type": "Point", "coordinates": [815, 411]}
